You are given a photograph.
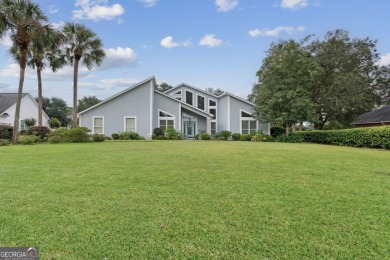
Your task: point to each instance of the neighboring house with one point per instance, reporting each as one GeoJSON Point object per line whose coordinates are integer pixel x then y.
{"type": "Point", "coordinates": [190, 110]}
{"type": "Point", "coordinates": [28, 109]}
{"type": "Point", "coordinates": [378, 117]}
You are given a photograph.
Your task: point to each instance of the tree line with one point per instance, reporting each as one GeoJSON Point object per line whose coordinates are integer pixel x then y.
{"type": "Point", "coordinates": [328, 81]}
{"type": "Point", "coordinates": [36, 43]}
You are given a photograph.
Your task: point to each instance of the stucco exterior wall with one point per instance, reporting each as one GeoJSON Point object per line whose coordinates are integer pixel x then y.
{"type": "Point", "coordinates": [134, 103]}
{"type": "Point", "coordinates": [167, 105]}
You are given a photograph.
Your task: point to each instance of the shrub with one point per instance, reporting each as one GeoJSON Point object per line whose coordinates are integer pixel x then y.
{"type": "Point", "coordinates": [58, 136]}
{"type": "Point", "coordinates": [6, 132]}
{"type": "Point", "coordinates": [206, 136]}
{"type": "Point", "coordinates": [128, 136]}
{"type": "Point", "coordinates": [4, 142]}
{"type": "Point", "coordinates": [161, 137]}
{"type": "Point", "coordinates": [30, 121]}
{"type": "Point", "coordinates": [54, 123]}
{"type": "Point", "coordinates": [78, 135]}
{"type": "Point", "coordinates": [262, 138]}
{"type": "Point", "coordinates": [115, 136]}
{"type": "Point", "coordinates": [225, 134]}
{"type": "Point", "coordinates": [56, 139]}
{"type": "Point", "coordinates": [245, 137]}
{"type": "Point", "coordinates": [158, 131]}
{"type": "Point", "coordinates": [42, 132]}
{"type": "Point", "coordinates": [98, 138]}
{"type": "Point", "coordinates": [277, 131]}
{"type": "Point", "coordinates": [371, 137]}
{"type": "Point", "coordinates": [291, 138]}
{"type": "Point", "coordinates": [27, 139]}
{"type": "Point", "coordinates": [154, 136]}
{"type": "Point", "coordinates": [172, 134]}
{"type": "Point", "coordinates": [236, 136]}
{"type": "Point", "coordinates": [196, 136]}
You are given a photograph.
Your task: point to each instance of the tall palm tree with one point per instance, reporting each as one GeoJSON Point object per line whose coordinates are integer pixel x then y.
{"type": "Point", "coordinates": [45, 51]}
{"type": "Point", "coordinates": [22, 19]}
{"type": "Point", "coordinates": [81, 44]}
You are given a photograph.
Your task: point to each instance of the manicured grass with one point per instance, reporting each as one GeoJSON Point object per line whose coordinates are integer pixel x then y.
{"type": "Point", "coordinates": [215, 200]}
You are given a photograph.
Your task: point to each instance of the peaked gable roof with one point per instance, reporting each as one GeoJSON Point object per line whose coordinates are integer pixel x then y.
{"type": "Point", "coordinates": [7, 100]}
{"type": "Point", "coordinates": [153, 79]}
{"type": "Point", "coordinates": [208, 93]}
{"type": "Point", "coordinates": [377, 116]}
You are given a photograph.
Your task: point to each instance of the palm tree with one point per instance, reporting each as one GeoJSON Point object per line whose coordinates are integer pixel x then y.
{"type": "Point", "coordinates": [22, 19]}
{"type": "Point", "coordinates": [81, 43]}
{"type": "Point", "coordinates": [44, 48]}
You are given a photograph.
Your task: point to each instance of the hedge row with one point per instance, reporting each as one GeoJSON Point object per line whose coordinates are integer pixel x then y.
{"type": "Point", "coordinates": [371, 137]}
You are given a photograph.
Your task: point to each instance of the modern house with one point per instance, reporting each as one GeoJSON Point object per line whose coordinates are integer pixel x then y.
{"type": "Point", "coordinates": [377, 117]}
{"type": "Point", "coordinates": [141, 108]}
{"type": "Point", "coordinates": [28, 109]}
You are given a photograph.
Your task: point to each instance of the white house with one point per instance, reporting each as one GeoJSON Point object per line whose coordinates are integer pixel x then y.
{"type": "Point", "coordinates": [28, 109]}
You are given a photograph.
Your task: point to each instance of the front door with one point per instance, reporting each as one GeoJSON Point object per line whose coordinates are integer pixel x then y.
{"type": "Point", "coordinates": [189, 128]}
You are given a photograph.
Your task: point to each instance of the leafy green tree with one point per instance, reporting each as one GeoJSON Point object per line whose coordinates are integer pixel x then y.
{"type": "Point", "coordinates": [348, 86]}
{"type": "Point", "coordinates": [287, 78]}
{"type": "Point", "coordinates": [87, 102]}
{"type": "Point", "coordinates": [81, 44]}
{"type": "Point", "coordinates": [43, 51]}
{"type": "Point", "coordinates": [382, 82]}
{"type": "Point", "coordinates": [22, 19]}
{"type": "Point", "coordinates": [216, 92]}
{"type": "Point", "coordinates": [57, 108]}
{"type": "Point", "coordinates": [163, 87]}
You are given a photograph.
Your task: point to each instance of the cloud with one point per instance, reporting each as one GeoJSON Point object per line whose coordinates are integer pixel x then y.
{"type": "Point", "coordinates": [148, 3]}
{"type": "Point", "coordinates": [109, 84]}
{"type": "Point", "coordinates": [210, 41]}
{"type": "Point", "coordinates": [168, 43]}
{"type": "Point", "coordinates": [294, 4]}
{"type": "Point", "coordinates": [93, 10]}
{"type": "Point", "coordinates": [118, 57]}
{"type": "Point", "coordinates": [115, 58]}
{"type": "Point", "coordinates": [53, 9]}
{"type": "Point", "coordinates": [6, 41]}
{"type": "Point", "coordinates": [226, 5]}
{"type": "Point", "coordinates": [384, 60]}
{"type": "Point", "coordinates": [275, 32]}
{"type": "Point", "coordinates": [58, 25]}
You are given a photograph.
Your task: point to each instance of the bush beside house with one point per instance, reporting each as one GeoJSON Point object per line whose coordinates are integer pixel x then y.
{"type": "Point", "coordinates": [370, 137]}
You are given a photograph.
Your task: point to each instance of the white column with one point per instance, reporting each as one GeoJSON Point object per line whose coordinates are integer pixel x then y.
{"type": "Point", "coordinates": [208, 125]}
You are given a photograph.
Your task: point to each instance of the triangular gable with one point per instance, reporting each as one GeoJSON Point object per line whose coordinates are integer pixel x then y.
{"type": "Point", "coordinates": [153, 79]}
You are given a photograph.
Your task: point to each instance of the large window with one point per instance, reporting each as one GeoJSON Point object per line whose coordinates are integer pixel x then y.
{"type": "Point", "coordinates": [213, 128]}
{"type": "Point", "coordinates": [130, 124]}
{"type": "Point", "coordinates": [248, 123]}
{"type": "Point", "coordinates": [23, 125]}
{"type": "Point", "coordinates": [98, 125]}
{"type": "Point", "coordinates": [248, 126]}
{"type": "Point", "coordinates": [200, 102]}
{"type": "Point", "coordinates": [189, 98]}
{"type": "Point", "coordinates": [166, 120]}
{"type": "Point", "coordinates": [213, 111]}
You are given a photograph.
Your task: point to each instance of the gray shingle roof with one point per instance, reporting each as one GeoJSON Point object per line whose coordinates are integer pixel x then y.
{"type": "Point", "coordinates": [377, 116]}
{"type": "Point", "coordinates": [7, 100]}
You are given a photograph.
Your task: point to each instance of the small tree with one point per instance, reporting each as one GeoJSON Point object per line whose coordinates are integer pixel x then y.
{"type": "Point", "coordinates": [30, 122]}
{"type": "Point", "coordinates": [54, 123]}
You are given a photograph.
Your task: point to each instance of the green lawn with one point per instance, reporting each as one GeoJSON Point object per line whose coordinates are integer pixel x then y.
{"type": "Point", "coordinates": [215, 200]}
